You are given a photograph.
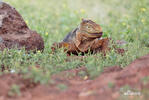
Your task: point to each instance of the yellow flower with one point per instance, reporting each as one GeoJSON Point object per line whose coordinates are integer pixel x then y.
{"type": "Point", "coordinates": [64, 6]}
{"type": "Point", "coordinates": [38, 51]}
{"type": "Point", "coordinates": [57, 14]}
{"type": "Point", "coordinates": [82, 11]}
{"type": "Point", "coordinates": [143, 9]}
{"type": "Point", "coordinates": [142, 20]}
{"type": "Point", "coordinates": [46, 34]}
{"type": "Point", "coordinates": [76, 12]}
{"type": "Point", "coordinates": [19, 52]}
{"type": "Point", "coordinates": [111, 24]}
{"type": "Point", "coordinates": [86, 77]}
{"type": "Point", "coordinates": [26, 21]}
{"type": "Point", "coordinates": [124, 24]}
{"type": "Point", "coordinates": [127, 16]}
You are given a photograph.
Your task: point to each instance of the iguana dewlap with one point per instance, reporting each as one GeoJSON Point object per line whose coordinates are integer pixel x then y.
{"type": "Point", "coordinates": [87, 36]}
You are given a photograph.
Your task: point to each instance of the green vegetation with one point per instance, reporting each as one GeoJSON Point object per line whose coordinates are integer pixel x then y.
{"type": "Point", "coordinates": [145, 80]}
{"type": "Point", "coordinates": [111, 85]}
{"type": "Point", "coordinates": [53, 19]}
{"type": "Point", "coordinates": [14, 90]}
{"type": "Point", "coordinates": [62, 87]}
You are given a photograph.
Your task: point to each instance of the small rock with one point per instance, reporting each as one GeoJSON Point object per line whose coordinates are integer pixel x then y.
{"type": "Point", "coordinates": [87, 93]}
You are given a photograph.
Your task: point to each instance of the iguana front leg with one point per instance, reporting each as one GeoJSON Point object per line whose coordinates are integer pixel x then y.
{"type": "Point", "coordinates": [68, 47]}
{"type": "Point", "coordinates": [84, 42]}
{"type": "Point", "coordinates": [100, 45]}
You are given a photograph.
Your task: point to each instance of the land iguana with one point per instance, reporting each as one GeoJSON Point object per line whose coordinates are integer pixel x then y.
{"type": "Point", "coordinates": [87, 36]}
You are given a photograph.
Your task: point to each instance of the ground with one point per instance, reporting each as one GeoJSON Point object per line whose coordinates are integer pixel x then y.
{"type": "Point", "coordinates": [91, 76]}
{"type": "Point", "coordinates": [114, 83]}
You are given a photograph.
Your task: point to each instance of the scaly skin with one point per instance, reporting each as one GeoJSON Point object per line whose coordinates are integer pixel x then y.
{"type": "Point", "coordinates": [87, 36]}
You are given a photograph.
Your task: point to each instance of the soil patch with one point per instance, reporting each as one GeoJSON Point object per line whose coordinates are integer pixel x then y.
{"type": "Point", "coordinates": [70, 85]}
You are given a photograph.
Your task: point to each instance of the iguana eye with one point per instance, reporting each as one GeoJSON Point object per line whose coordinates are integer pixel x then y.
{"type": "Point", "coordinates": [88, 27]}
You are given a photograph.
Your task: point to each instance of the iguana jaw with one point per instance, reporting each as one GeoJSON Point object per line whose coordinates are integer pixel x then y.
{"type": "Point", "coordinates": [95, 35]}
{"type": "Point", "coordinates": [92, 35]}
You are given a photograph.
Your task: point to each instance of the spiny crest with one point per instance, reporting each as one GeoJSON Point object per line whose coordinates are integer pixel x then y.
{"type": "Point", "coordinates": [84, 21]}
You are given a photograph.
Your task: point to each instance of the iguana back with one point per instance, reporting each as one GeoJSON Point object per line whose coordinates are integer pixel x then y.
{"type": "Point", "coordinates": [70, 36]}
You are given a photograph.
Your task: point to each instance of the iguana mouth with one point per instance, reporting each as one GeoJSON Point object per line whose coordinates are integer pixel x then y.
{"type": "Point", "coordinates": [98, 35]}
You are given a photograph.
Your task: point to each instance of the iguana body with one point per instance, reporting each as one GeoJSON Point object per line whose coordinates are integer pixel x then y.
{"type": "Point", "coordinates": [87, 36]}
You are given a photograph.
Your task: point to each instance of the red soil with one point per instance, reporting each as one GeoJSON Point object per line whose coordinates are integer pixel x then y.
{"type": "Point", "coordinates": [73, 87]}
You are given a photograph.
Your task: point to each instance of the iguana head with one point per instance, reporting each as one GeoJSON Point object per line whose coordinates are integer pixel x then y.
{"type": "Point", "coordinates": [91, 28]}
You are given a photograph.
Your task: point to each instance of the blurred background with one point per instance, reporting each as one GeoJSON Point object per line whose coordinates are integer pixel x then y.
{"type": "Point", "coordinates": [53, 19]}
{"type": "Point", "coordinates": [125, 20]}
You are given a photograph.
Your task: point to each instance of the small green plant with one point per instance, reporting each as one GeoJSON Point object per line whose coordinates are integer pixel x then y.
{"type": "Point", "coordinates": [145, 80]}
{"type": "Point", "coordinates": [62, 87]}
{"type": "Point", "coordinates": [82, 74]}
{"type": "Point", "coordinates": [14, 90]}
{"type": "Point", "coordinates": [92, 66]}
{"type": "Point", "coordinates": [38, 75]}
{"type": "Point", "coordinates": [111, 84]}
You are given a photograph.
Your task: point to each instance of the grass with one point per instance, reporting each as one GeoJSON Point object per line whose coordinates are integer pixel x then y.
{"type": "Point", "coordinates": [53, 19]}
{"type": "Point", "coordinates": [14, 90]}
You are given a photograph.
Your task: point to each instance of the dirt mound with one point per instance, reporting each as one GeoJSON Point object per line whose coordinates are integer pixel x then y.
{"type": "Point", "coordinates": [69, 85]}
{"type": "Point", "coordinates": [15, 33]}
